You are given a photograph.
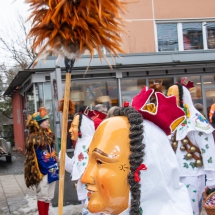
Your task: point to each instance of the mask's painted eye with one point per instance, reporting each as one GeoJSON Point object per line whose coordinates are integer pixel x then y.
{"type": "Point", "coordinates": [98, 162]}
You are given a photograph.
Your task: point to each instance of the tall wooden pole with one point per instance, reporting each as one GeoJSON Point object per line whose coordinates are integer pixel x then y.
{"type": "Point", "coordinates": [69, 65]}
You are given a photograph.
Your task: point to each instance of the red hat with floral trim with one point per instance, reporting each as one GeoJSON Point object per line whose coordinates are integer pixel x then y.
{"type": "Point", "coordinates": [166, 114]}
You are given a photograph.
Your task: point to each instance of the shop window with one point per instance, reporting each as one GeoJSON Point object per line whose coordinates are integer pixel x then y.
{"type": "Point", "coordinates": [167, 37]}
{"type": "Point", "coordinates": [131, 87]}
{"type": "Point", "coordinates": [209, 80]}
{"type": "Point", "coordinates": [165, 82]}
{"type": "Point", "coordinates": [192, 36]}
{"type": "Point", "coordinates": [91, 93]}
{"type": "Point", "coordinates": [210, 26]}
{"type": "Point", "coordinates": [196, 93]}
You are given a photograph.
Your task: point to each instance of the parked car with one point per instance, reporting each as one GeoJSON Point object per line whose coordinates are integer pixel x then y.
{"type": "Point", "coordinates": [5, 149]}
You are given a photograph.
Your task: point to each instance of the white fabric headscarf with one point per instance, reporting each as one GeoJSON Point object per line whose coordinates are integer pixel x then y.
{"type": "Point", "coordinates": [77, 165]}
{"type": "Point", "coordinates": [161, 191]}
{"type": "Point", "coordinates": [195, 122]}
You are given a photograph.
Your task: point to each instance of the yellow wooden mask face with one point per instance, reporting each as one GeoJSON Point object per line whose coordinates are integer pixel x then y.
{"type": "Point", "coordinates": [108, 167]}
{"type": "Point", "coordinates": [74, 128]}
{"type": "Point", "coordinates": [173, 91]}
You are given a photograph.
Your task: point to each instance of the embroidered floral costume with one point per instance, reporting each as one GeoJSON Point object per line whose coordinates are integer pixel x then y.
{"type": "Point", "coordinates": [194, 146]}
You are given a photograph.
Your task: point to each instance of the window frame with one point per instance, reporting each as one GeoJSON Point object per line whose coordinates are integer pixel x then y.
{"type": "Point", "coordinates": [180, 32]}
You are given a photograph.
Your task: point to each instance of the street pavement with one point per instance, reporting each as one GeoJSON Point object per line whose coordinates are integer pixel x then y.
{"type": "Point", "coordinates": [13, 188]}
{"type": "Point", "coordinates": [13, 191]}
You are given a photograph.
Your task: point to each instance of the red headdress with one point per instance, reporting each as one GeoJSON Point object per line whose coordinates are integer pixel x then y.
{"type": "Point", "coordinates": [187, 83]}
{"type": "Point", "coordinates": [95, 115]}
{"type": "Point", "coordinates": [166, 115]}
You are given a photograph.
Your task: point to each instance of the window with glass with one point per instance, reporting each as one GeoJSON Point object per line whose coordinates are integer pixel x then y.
{"type": "Point", "coordinates": [192, 36]}
{"type": "Point", "coordinates": [131, 87]}
{"type": "Point", "coordinates": [209, 84]}
{"type": "Point", "coordinates": [91, 93]}
{"type": "Point", "coordinates": [167, 37]}
{"type": "Point", "coordinates": [165, 82]}
{"type": "Point", "coordinates": [29, 104]}
{"type": "Point", "coordinates": [210, 26]}
{"type": "Point", "coordinates": [39, 95]}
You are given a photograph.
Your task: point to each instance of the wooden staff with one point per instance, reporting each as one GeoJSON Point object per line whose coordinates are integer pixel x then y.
{"type": "Point", "coordinates": [69, 65]}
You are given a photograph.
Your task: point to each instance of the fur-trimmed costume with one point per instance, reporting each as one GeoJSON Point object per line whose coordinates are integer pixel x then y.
{"type": "Point", "coordinates": [41, 166]}
{"type": "Point", "coordinates": [38, 137]}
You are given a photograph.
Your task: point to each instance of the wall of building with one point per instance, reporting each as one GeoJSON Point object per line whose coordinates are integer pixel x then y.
{"type": "Point", "coordinates": [18, 122]}
{"type": "Point", "coordinates": [142, 15]}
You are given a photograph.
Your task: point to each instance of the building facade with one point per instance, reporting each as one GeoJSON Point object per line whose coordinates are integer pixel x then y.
{"type": "Point", "coordinates": [165, 41]}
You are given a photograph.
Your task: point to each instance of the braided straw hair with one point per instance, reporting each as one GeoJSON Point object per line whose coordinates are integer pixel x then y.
{"type": "Point", "coordinates": [137, 154]}
{"type": "Point", "coordinates": [180, 89]}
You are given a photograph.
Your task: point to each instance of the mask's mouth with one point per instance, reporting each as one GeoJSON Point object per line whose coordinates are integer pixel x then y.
{"type": "Point", "coordinates": [90, 192]}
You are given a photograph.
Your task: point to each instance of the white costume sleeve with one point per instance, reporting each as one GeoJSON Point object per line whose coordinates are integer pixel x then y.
{"type": "Point", "coordinates": [206, 145]}
{"type": "Point", "coordinates": [68, 162]}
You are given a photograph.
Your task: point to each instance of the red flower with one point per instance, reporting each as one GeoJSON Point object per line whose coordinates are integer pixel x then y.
{"type": "Point", "coordinates": [80, 157]}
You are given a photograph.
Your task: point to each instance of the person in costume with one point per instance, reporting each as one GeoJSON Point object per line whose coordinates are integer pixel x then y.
{"type": "Point", "coordinates": [82, 130]}
{"type": "Point", "coordinates": [194, 146]}
{"type": "Point", "coordinates": [41, 163]}
{"type": "Point", "coordinates": [132, 169]}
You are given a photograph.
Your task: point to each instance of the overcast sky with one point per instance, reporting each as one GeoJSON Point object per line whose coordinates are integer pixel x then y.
{"type": "Point", "coordinates": [9, 12]}
{"type": "Point", "coordinates": [10, 8]}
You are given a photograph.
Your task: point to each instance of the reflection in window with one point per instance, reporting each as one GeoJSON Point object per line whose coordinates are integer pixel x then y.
{"type": "Point", "coordinates": [48, 103]}
{"type": "Point", "coordinates": [39, 95]}
{"type": "Point", "coordinates": [91, 93]}
{"type": "Point", "coordinates": [130, 88]}
{"type": "Point", "coordinates": [196, 93]}
{"type": "Point", "coordinates": [211, 35]}
{"type": "Point", "coordinates": [166, 83]}
{"type": "Point", "coordinates": [30, 101]}
{"type": "Point", "coordinates": [167, 37]}
{"type": "Point", "coordinates": [192, 36]}
{"type": "Point", "coordinates": [209, 80]}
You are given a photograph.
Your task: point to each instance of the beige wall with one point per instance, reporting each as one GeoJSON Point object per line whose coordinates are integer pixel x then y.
{"type": "Point", "coordinates": [170, 9]}
{"type": "Point", "coordinates": [139, 9]}
{"type": "Point", "coordinates": [139, 36]}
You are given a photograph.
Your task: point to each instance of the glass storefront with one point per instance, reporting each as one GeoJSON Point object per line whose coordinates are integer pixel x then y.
{"type": "Point", "coordinates": [196, 93]}
{"type": "Point", "coordinates": [105, 91]}
{"type": "Point", "coordinates": [91, 93]}
{"type": "Point", "coordinates": [209, 88]}
{"type": "Point", "coordinates": [166, 83]}
{"type": "Point", "coordinates": [131, 87]}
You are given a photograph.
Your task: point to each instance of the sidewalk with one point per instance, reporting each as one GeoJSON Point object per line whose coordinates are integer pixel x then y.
{"type": "Point", "coordinates": [12, 193]}
{"type": "Point", "coordinates": [17, 199]}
